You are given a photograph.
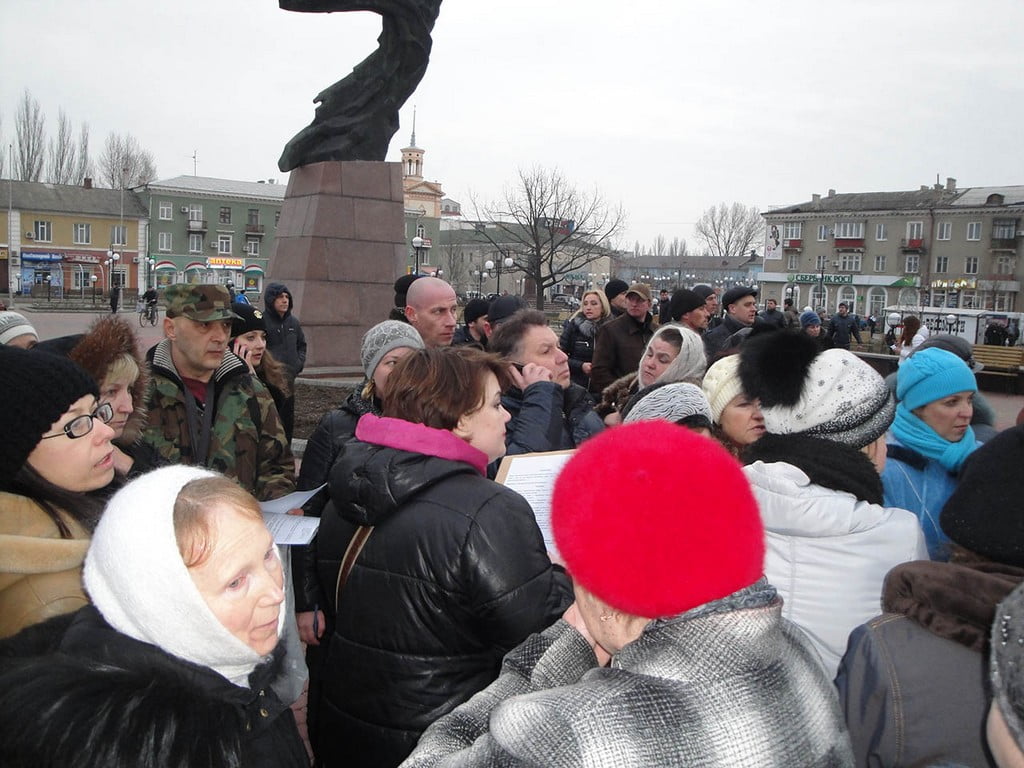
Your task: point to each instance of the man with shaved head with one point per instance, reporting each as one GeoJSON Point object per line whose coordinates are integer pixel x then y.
{"type": "Point", "coordinates": [431, 308]}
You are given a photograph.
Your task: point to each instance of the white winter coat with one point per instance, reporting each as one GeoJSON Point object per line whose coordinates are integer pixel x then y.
{"type": "Point", "coordinates": [827, 553]}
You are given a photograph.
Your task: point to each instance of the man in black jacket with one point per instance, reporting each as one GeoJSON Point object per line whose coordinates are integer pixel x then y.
{"type": "Point", "coordinates": [842, 326]}
{"type": "Point", "coordinates": [740, 304]}
{"type": "Point", "coordinates": [620, 343]}
{"type": "Point", "coordinates": [286, 342]}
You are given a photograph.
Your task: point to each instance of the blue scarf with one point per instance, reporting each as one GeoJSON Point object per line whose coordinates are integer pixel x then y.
{"type": "Point", "coordinates": [917, 435]}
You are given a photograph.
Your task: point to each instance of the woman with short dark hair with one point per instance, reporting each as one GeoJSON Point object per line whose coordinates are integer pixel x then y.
{"type": "Point", "coordinates": [429, 572]}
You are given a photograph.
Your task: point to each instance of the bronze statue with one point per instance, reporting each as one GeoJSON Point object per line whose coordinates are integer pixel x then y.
{"type": "Point", "coordinates": [357, 116]}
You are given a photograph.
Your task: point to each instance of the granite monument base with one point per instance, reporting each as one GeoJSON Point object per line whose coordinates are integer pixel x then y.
{"type": "Point", "coordinates": [340, 244]}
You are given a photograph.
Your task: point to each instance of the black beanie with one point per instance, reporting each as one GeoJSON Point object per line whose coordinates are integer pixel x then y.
{"type": "Point", "coordinates": [614, 287]}
{"type": "Point", "coordinates": [684, 301]}
{"type": "Point", "coordinates": [249, 319]}
{"type": "Point", "coordinates": [38, 388]}
{"type": "Point", "coordinates": [983, 514]}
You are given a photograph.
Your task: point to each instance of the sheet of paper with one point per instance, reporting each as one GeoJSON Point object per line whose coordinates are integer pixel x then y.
{"type": "Point", "coordinates": [291, 501]}
{"type": "Point", "coordinates": [532, 476]}
{"type": "Point", "coordinates": [291, 529]}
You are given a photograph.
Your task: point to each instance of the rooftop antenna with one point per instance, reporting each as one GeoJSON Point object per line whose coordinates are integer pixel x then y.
{"type": "Point", "coordinates": [195, 162]}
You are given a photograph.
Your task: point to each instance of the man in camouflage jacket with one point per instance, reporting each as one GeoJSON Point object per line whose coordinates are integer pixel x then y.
{"type": "Point", "coordinates": [205, 407]}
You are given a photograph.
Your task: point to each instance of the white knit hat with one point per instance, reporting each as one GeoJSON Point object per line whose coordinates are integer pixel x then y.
{"type": "Point", "coordinates": [13, 325]}
{"type": "Point", "coordinates": [136, 578]}
{"type": "Point", "coordinates": [721, 384]}
{"type": "Point", "coordinates": [831, 394]}
{"type": "Point", "coordinates": [669, 402]}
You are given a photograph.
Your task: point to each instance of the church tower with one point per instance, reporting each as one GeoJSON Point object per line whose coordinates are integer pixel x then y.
{"type": "Point", "coordinates": [420, 195]}
{"type": "Point", "coordinates": [412, 159]}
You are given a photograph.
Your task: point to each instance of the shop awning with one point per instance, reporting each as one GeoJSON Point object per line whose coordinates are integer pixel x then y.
{"type": "Point", "coordinates": [195, 265]}
{"type": "Point", "coordinates": [254, 269]}
{"type": "Point", "coordinates": [165, 265]}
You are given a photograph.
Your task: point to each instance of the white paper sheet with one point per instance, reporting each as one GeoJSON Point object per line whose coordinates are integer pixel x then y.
{"type": "Point", "coordinates": [532, 476]}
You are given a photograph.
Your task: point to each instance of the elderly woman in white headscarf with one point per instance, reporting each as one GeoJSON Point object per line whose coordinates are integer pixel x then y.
{"type": "Point", "coordinates": [177, 655]}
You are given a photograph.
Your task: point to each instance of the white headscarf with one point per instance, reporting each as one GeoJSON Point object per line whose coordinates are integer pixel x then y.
{"type": "Point", "coordinates": [689, 365]}
{"type": "Point", "coordinates": [138, 581]}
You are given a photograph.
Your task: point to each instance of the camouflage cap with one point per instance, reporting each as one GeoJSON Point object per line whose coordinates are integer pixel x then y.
{"type": "Point", "coordinates": [202, 303]}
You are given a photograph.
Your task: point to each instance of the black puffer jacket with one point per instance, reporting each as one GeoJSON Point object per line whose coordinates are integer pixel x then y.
{"type": "Point", "coordinates": [77, 692]}
{"type": "Point", "coordinates": [454, 575]}
{"type": "Point", "coordinates": [577, 341]}
{"type": "Point", "coordinates": [285, 339]}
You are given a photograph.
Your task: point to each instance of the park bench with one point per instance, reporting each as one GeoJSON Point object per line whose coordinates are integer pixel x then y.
{"type": "Point", "coordinates": [1000, 361]}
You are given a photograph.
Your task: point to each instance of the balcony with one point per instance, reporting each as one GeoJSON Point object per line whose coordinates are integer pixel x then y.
{"type": "Point", "coordinates": [792, 244]}
{"type": "Point", "coordinates": [197, 225]}
{"type": "Point", "coordinates": [1004, 244]}
{"type": "Point", "coordinates": [849, 244]}
{"type": "Point", "coordinates": [254, 229]}
{"type": "Point", "coordinates": [908, 244]}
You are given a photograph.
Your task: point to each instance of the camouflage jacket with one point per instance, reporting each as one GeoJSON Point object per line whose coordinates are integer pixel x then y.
{"type": "Point", "coordinates": [247, 441]}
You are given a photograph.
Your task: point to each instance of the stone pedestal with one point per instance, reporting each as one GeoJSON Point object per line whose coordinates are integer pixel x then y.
{"type": "Point", "coordinates": [339, 246]}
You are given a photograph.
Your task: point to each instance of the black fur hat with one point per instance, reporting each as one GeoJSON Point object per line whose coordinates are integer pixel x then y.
{"type": "Point", "coordinates": [831, 394]}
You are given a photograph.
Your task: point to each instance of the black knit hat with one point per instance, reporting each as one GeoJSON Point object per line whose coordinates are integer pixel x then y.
{"type": "Point", "coordinates": [475, 309]}
{"type": "Point", "coordinates": [614, 287]}
{"type": "Point", "coordinates": [38, 388]}
{"type": "Point", "coordinates": [684, 300]}
{"type": "Point", "coordinates": [983, 514]}
{"type": "Point", "coordinates": [249, 319]}
{"type": "Point", "coordinates": [402, 288]}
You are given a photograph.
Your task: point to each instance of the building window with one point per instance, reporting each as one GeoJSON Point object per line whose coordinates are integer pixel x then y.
{"type": "Point", "coordinates": [195, 242]}
{"type": "Point", "coordinates": [166, 210]}
{"type": "Point", "coordinates": [118, 277]}
{"type": "Point", "coordinates": [163, 242]}
{"type": "Point", "coordinates": [225, 214]}
{"type": "Point", "coordinates": [971, 265]}
{"type": "Point", "coordinates": [850, 261]}
{"type": "Point", "coordinates": [915, 230]}
{"type": "Point", "coordinates": [420, 231]}
{"type": "Point", "coordinates": [1003, 301]}
{"type": "Point", "coordinates": [945, 230]}
{"type": "Point", "coordinates": [881, 232]}
{"type": "Point", "coordinates": [879, 262]}
{"type": "Point", "coordinates": [82, 234]}
{"type": "Point", "coordinates": [252, 246]}
{"type": "Point", "coordinates": [969, 300]}
{"type": "Point", "coordinates": [79, 279]}
{"type": "Point", "coordinates": [913, 263]}
{"type": "Point", "coordinates": [822, 233]}
{"type": "Point", "coordinates": [43, 231]}
{"type": "Point", "coordinates": [876, 302]}
{"type": "Point", "coordinates": [974, 230]}
{"type": "Point", "coordinates": [942, 264]}
{"type": "Point", "coordinates": [850, 230]}
{"type": "Point", "coordinates": [1004, 265]}
{"type": "Point", "coordinates": [118, 235]}
{"type": "Point", "coordinates": [277, 218]}
{"type": "Point", "coordinates": [195, 212]}
{"type": "Point", "coordinates": [254, 217]}
{"type": "Point", "coordinates": [224, 245]}
{"type": "Point", "coordinates": [793, 230]}
{"type": "Point", "coordinates": [1003, 229]}
{"type": "Point", "coordinates": [819, 262]}
{"type": "Point", "coordinates": [793, 261]}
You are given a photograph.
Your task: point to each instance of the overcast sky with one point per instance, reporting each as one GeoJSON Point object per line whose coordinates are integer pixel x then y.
{"type": "Point", "coordinates": [665, 106]}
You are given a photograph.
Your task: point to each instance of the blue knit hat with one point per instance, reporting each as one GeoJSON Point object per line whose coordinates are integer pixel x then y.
{"type": "Point", "coordinates": [931, 374]}
{"type": "Point", "coordinates": [810, 317]}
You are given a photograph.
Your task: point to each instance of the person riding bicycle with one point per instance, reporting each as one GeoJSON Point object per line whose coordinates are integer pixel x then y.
{"type": "Point", "coordinates": [149, 299]}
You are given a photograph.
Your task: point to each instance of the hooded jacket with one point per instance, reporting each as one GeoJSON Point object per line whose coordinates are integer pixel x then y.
{"type": "Point", "coordinates": [247, 440]}
{"type": "Point", "coordinates": [828, 552]}
{"type": "Point", "coordinates": [285, 339]}
{"type": "Point", "coordinates": [453, 576]}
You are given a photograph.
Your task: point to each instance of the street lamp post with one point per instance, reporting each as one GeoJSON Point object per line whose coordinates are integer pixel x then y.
{"type": "Point", "coordinates": [93, 279]}
{"type": "Point", "coordinates": [481, 275]}
{"type": "Point", "coordinates": [418, 245]}
{"type": "Point", "coordinates": [497, 266]}
{"type": "Point", "coordinates": [46, 279]}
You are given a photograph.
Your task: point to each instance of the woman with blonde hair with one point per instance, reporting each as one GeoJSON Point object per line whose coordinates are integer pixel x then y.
{"type": "Point", "coordinates": [737, 421]}
{"type": "Point", "coordinates": [579, 332]}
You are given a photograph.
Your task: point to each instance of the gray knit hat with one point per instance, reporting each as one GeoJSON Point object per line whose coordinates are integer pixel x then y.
{"type": "Point", "coordinates": [13, 325]}
{"type": "Point", "coordinates": [384, 337]}
{"type": "Point", "coordinates": [669, 402]}
{"type": "Point", "coordinates": [1006, 663]}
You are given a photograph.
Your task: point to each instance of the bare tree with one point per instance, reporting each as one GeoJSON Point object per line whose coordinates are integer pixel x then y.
{"type": "Point", "coordinates": [659, 247]}
{"type": "Point", "coordinates": [549, 228]}
{"type": "Point", "coordinates": [29, 130]}
{"type": "Point", "coordinates": [453, 260]}
{"type": "Point", "coordinates": [125, 162]}
{"type": "Point", "coordinates": [61, 157]}
{"type": "Point", "coordinates": [83, 166]}
{"type": "Point", "coordinates": [730, 230]}
{"type": "Point", "coordinates": [677, 248]}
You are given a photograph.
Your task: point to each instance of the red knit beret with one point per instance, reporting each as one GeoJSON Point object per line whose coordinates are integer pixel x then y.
{"type": "Point", "coordinates": [655, 519]}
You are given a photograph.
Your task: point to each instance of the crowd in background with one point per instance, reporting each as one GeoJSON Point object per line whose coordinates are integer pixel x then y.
{"type": "Point", "coordinates": [761, 551]}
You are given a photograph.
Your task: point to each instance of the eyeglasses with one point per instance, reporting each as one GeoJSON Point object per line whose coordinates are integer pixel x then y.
{"type": "Point", "coordinates": [80, 426]}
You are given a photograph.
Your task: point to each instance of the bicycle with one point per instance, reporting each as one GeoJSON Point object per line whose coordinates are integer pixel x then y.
{"type": "Point", "coordinates": [147, 314]}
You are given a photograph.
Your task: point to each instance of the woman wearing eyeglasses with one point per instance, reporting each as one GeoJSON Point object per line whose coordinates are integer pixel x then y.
{"type": "Point", "coordinates": [55, 452]}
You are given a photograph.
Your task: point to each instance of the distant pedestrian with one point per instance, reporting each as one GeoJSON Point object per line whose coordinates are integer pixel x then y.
{"type": "Point", "coordinates": [771, 314]}
{"type": "Point", "coordinates": [792, 315]}
{"type": "Point", "coordinates": [285, 341]}
{"type": "Point", "coordinates": [115, 299]}
{"type": "Point", "coordinates": [664, 307]}
{"type": "Point", "coordinates": [842, 326]}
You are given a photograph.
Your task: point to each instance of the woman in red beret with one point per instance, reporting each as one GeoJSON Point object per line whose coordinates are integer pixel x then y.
{"type": "Point", "coordinates": [704, 670]}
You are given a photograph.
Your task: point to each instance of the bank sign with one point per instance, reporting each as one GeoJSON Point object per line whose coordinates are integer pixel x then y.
{"type": "Point", "coordinates": [831, 279]}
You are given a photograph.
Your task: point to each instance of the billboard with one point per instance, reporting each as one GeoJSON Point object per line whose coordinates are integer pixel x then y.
{"type": "Point", "coordinates": [772, 243]}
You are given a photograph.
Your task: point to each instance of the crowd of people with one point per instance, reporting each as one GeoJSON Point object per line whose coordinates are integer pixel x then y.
{"type": "Point", "coordinates": [760, 552]}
